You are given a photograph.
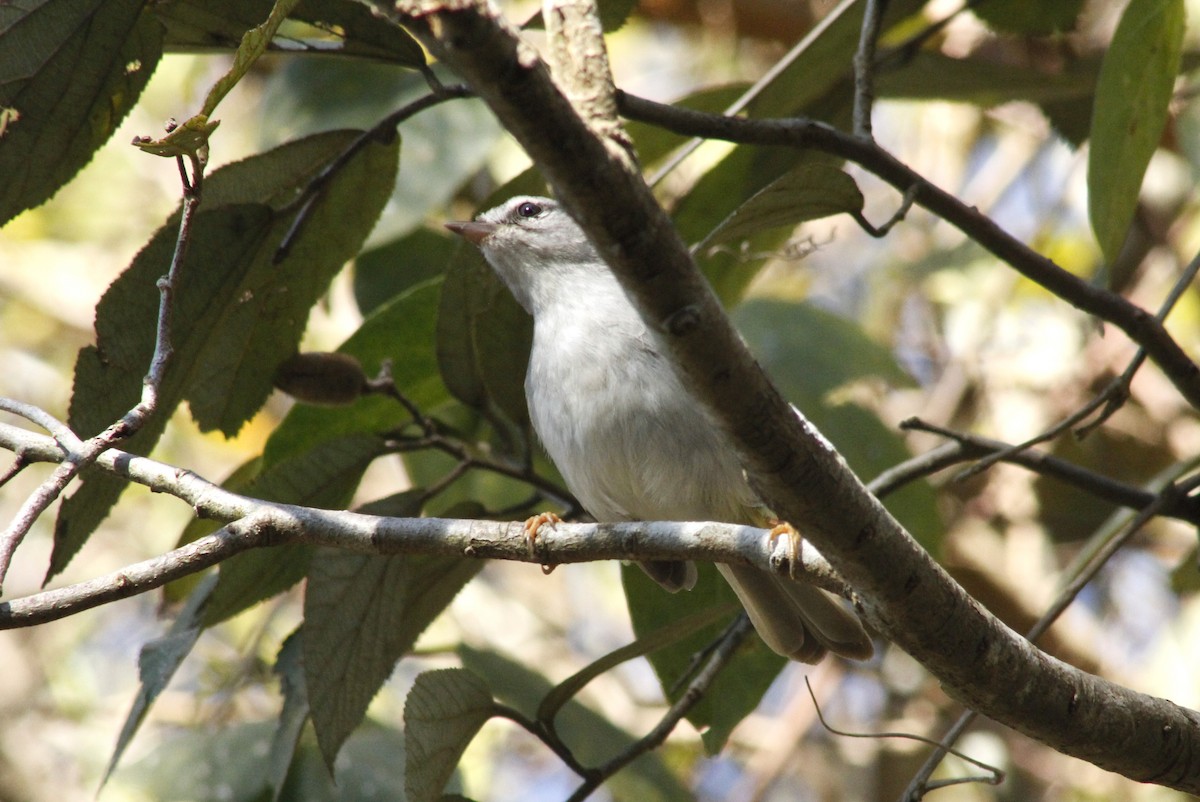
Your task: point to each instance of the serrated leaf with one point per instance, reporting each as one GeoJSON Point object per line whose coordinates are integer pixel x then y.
{"type": "Point", "coordinates": [809, 192]}
{"type": "Point", "coordinates": [70, 70]}
{"type": "Point", "coordinates": [324, 477]}
{"type": "Point", "coordinates": [362, 613]}
{"type": "Point", "coordinates": [236, 312]}
{"type": "Point", "coordinates": [739, 688]}
{"type": "Point", "coordinates": [207, 25]}
{"type": "Point", "coordinates": [1133, 95]}
{"type": "Point", "coordinates": [157, 664]}
{"type": "Point", "coordinates": [289, 667]}
{"type": "Point", "coordinates": [402, 331]}
{"type": "Point", "coordinates": [443, 712]}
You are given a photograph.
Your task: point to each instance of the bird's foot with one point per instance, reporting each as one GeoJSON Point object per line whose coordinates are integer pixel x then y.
{"type": "Point", "coordinates": [795, 542]}
{"type": "Point", "coordinates": [532, 525]}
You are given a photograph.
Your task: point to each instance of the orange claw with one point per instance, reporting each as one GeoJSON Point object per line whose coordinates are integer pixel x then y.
{"type": "Point", "coordinates": [532, 525]}
{"type": "Point", "coordinates": [795, 542]}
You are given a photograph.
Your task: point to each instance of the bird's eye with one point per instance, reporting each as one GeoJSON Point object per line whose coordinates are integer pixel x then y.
{"type": "Point", "coordinates": [529, 209]}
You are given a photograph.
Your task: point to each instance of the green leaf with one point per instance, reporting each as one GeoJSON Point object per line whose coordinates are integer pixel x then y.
{"type": "Point", "coordinates": [811, 354]}
{"type": "Point", "coordinates": [226, 765]}
{"type": "Point", "coordinates": [483, 339]}
{"type": "Point", "coordinates": [289, 667]}
{"type": "Point", "coordinates": [70, 70]}
{"type": "Point", "coordinates": [324, 477]}
{"type": "Point", "coordinates": [1132, 104]}
{"type": "Point", "coordinates": [362, 613]}
{"type": "Point", "coordinates": [308, 95]}
{"type": "Point", "coordinates": [666, 635]}
{"type": "Point", "coordinates": [590, 736]}
{"type": "Point", "coordinates": [809, 192]}
{"type": "Point", "coordinates": [1033, 17]}
{"type": "Point", "coordinates": [237, 313]}
{"type": "Point", "coordinates": [157, 664]}
{"type": "Point", "coordinates": [208, 25]}
{"type": "Point", "coordinates": [443, 712]}
{"type": "Point", "coordinates": [402, 331]}
{"type": "Point", "coordinates": [382, 273]}
{"type": "Point", "coordinates": [718, 194]}
{"type": "Point", "coordinates": [739, 688]}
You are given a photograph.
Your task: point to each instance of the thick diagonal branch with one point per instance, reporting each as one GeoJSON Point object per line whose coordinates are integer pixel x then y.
{"type": "Point", "coordinates": [906, 595]}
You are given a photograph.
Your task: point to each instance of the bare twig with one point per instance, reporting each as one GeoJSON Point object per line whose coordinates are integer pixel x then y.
{"type": "Point", "coordinates": [82, 454]}
{"type": "Point", "coordinates": [1144, 329]}
{"type": "Point", "coordinates": [383, 131]}
{"type": "Point", "coordinates": [969, 446]}
{"type": "Point", "coordinates": [995, 775]}
{"type": "Point", "coordinates": [720, 656]}
{"type": "Point", "coordinates": [1109, 400]}
{"type": "Point", "coordinates": [864, 67]}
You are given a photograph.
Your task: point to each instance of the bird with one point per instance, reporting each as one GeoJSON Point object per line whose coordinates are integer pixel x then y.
{"type": "Point", "coordinates": [631, 442]}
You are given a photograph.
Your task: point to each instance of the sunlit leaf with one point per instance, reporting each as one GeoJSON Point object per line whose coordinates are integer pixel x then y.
{"type": "Point", "coordinates": [70, 70]}
{"type": "Point", "coordinates": [809, 192]}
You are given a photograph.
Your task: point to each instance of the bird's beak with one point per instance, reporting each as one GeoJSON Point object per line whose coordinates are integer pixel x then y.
{"type": "Point", "coordinates": [473, 231]}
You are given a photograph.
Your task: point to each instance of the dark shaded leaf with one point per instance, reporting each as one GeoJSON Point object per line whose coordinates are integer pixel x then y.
{"type": "Point", "coordinates": [380, 274]}
{"type": "Point", "coordinates": [443, 712]}
{"type": "Point", "coordinates": [237, 313]}
{"type": "Point", "coordinates": [1034, 17]}
{"type": "Point", "coordinates": [362, 613]}
{"type": "Point", "coordinates": [324, 477]}
{"type": "Point", "coordinates": [289, 667]}
{"type": "Point", "coordinates": [401, 331]}
{"type": "Point", "coordinates": [70, 70]}
{"type": "Point", "coordinates": [205, 25]}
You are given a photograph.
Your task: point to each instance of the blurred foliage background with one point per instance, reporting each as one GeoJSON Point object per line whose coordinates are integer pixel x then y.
{"type": "Point", "coordinates": [859, 332]}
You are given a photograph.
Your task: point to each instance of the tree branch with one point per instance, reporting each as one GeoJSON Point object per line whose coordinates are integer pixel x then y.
{"type": "Point", "coordinates": [905, 594]}
{"type": "Point", "coordinates": [256, 524]}
{"type": "Point", "coordinates": [1141, 326]}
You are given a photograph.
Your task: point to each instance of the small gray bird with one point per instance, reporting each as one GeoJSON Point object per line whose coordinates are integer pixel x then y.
{"type": "Point", "coordinates": [631, 442]}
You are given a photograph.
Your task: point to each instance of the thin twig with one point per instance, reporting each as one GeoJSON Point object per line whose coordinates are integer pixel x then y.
{"type": "Point", "coordinates": [726, 648]}
{"type": "Point", "coordinates": [970, 446]}
{"type": "Point", "coordinates": [1144, 329]}
{"type": "Point", "coordinates": [80, 455]}
{"type": "Point", "coordinates": [996, 777]}
{"type": "Point", "coordinates": [1110, 399]}
{"type": "Point", "coordinates": [864, 67]}
{"type": "Point", "coordinates": [382, 131]}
